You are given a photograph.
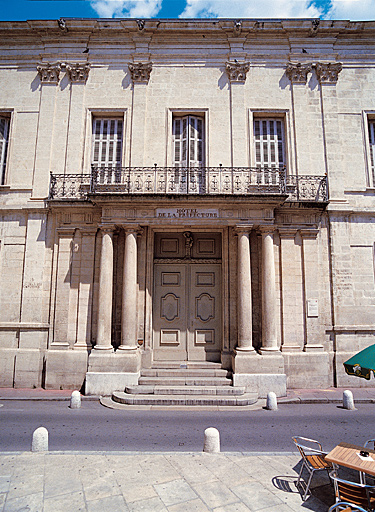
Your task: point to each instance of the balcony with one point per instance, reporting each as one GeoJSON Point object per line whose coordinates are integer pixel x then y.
{"type": "Point", "coordinates": [202, 181]}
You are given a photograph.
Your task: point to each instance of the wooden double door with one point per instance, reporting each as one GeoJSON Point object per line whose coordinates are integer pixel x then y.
{"type": "Point", "coordinates": [187, 322]}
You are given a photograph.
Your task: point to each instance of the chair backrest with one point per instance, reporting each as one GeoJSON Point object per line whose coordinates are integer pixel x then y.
{"type": "Point", "coordinates": [306, 446]}
{"type": "Point", "coordinates": [344, 506]}
{"type": "Point", "coordinates": [353, 492]}
{"type": "Point", "coordinates": [370, 441]}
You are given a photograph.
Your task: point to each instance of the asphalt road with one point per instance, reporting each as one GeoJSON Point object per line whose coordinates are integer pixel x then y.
{"type": "Point", "coordinates": [94, 427]}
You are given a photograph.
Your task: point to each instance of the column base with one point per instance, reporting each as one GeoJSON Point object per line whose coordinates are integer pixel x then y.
{"type": "Point", "coordinates": [125, 348]}
{"type": "Point", "coordinates": [104, 348]}
{"type": "Point", "coordinates": [112, 371]}
{"type": "Point", "coordinates": [269, 350]}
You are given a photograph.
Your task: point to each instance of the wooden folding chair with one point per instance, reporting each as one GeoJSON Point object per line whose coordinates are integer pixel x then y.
{"type": "Point", "coordinates": [313, 459]}
{"type": "Point", "coordinates": [344, 506]}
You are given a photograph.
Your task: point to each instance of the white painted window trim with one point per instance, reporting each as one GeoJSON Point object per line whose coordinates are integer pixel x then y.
{"type": "Point", "coordinates": [171, 113]}
{"type": "Point", "coordinates": [5, 147]}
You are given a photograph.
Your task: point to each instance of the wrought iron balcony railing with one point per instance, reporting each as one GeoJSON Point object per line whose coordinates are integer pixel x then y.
{"type": "Point", "coordinates": [191, 181]}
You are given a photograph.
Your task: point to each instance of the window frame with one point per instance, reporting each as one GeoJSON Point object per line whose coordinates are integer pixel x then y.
{"type": "Point", "coordinates": [104, 113]}
{"type": "Point", "coordinates": [173, 113]}
{"type": "Point", "coordinates": [275, 114]}
{"type": "Point", "coordinates": [368, 116]}
{"type": "Point", "coordinates": [4, 157]}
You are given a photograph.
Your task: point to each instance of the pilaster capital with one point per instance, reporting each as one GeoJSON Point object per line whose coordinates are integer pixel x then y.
{"type": "Point", "coordinates": [131, 228]}
{"type": "Point", "coordinates": [237, 71]}
{"type": "Point", "coordinates": [49, 73]}
{"type": "Point", "coordinates": [309, 234]}
{"type": "Point", "coordinates": [79, 72]}
{"type": "Point", "coordinates": [140, 72]}
{"type": "Point", "coordinates": [287, 232]}
{"type": "Point", "coordinates": [66, 232]}
{"type": "Point", "coordinates": [328, 72]}
{"type": "Point", "coordinates": [88, 231]}
{"type": "Point", "coordinates": [297, 73]}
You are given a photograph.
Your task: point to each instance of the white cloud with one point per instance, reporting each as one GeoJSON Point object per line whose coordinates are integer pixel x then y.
{"type": "Point", "coordinates": [126, 8]}
{"type": "Point", "coordinates": [251, 9]}
{"type": "Point", "coordinates": [352, 10]}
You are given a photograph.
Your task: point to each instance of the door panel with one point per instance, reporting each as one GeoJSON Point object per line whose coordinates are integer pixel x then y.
{"type": "Point", "coordinates": [169, 315]}
{"type": "Point", "coordinates": [204, 336]}
{"type": "Point", "coordinates": [187, 312]}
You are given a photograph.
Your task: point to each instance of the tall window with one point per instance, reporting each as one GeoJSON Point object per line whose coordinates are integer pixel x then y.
{"type": "Point", "coordinates": [107, 142]}
{"type": "Point", "coordinates": [269, 143]}
{"type": "Point", "coordinates": [188, 141]}
{"type": "Point", "coordinates": [371, 131]}
{"type": "Point", "coordinates": [4, 132]}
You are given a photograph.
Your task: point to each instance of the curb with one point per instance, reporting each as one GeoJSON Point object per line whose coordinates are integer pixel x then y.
{"type": "Point", "coordinates": [93, 398]}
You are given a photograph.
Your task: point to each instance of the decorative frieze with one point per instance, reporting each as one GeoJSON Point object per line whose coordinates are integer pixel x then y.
{"type": "Point", "coordinates": [328, 72]}
{"type": "Point", "coordinates": [141, 71]}
{"type": "Point", "coordinates": [49, 73]}
{"type": "Point", "coordinates": [237, 71]}
{"type": "Point", "coordinates": [78, 72]}
{"type": "Point", "coordinates": [297, 73]}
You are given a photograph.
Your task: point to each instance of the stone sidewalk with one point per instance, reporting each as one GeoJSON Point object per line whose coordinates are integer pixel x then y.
{"type": "Point", "coordinates": [156, 482]}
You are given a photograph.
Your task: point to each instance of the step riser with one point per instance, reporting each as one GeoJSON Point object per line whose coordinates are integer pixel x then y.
{"type": "Point", "coordinates": [187, 381]}
{"type": "Point", "coordinates": [183, 373]}
{"type": "Point", "coordinates": [186, 364]}
{"type": "Point", "coordinates": [123, 398]}
{"type": "Point", "coordinates": [186, 390]}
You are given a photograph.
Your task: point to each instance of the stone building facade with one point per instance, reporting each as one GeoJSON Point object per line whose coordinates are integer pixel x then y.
{"type": "Point", "coordinates": [186, 190]}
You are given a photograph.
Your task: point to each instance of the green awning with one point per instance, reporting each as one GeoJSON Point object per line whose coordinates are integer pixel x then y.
{"type": "Point", "coordinates": [362, 364]}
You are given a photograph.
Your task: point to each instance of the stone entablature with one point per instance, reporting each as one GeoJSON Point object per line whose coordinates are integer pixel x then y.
{"type": "Point", "coordinates": [140, 72]}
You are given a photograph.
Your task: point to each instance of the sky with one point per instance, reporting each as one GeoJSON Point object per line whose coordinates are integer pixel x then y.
{"type": "Point", "coordinates": [54, 9]}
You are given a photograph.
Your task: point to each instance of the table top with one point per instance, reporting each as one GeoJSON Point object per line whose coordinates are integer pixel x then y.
{"type": "Point", "coordinates": [345, 454]}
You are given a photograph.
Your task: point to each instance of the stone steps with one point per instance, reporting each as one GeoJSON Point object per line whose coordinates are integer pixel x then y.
{"type": "Point", "coordinates": [180, 400]}
{"type": "Point", "coordinates": [176, 383]}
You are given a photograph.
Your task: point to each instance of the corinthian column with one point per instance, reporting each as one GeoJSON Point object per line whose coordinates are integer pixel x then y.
{"type": "Point", "coordinates": [103, 341]}
{"type": "Point", "coordinates": [129, 292]}
{"type": "Point", "coordinates": [269, 330]}
{"type": "Point", "coordinates": [244, 309]}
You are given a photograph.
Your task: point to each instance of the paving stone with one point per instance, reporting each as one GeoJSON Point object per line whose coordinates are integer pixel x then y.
{"type": "Point", "coordinates": [255, 496]}
{"type": "Point", "coordinates": [234, 507]}
{"type": "Point", "coordinates": [109, 504]}
{"type": "Point", "coordinates": [4, 483]}
{"type": "Point", "coordinates": [149, 505]}
{"type": "Point", "coordinates": [100, 488]}
{"type": "Point", "coordinates": [175, 492]}
{"type": "Point", "coordinates": [189, 506]}
{"type": "Point", "coordinates": [215, 494]}
{"type": "Point", "coordinates": [133, 493]}
{"type": "Point", "coordinates": [73, 502]}
{"type": "Point", "coordinates": [28, 503]}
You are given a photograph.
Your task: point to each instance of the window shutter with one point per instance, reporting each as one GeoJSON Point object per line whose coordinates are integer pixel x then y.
{"type": "Point", "coordinates": [269, 143]}
{"type": "Point", "coordinates": [107, 142]}
{"type": "Point", "coordinates": [195, 141]}
{"type": "Point", "coordinates": [180, 141]}
{"type": "Point", "coordinates": [4, 130]}
{"type": "Point", "coordinates": [371, 130]}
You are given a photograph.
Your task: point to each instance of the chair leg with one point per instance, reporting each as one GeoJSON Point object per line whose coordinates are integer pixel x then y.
{"type": "Point", "coordinates": [308, 486]}
{"type": "Point", "coordinates": [300, 473]}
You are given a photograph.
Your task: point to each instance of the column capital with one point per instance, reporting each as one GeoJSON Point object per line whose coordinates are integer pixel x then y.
{"type": "Point", "coordinates": [267, 230]}
{"type": "Point", "coordinates": [131, 228]}
{"type": "Point", "coordinates": [88, 231]}
{"type": "Point", "coordinates": [78, 72]}
{"type": "Point", "coordinates": [66, 232]}
{"type": "Point", "coordinates": [107, 228]}
{"type": "Point", "coordinates": [246, 228]}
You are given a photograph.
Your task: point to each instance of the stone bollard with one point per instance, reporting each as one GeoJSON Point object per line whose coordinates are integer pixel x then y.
{"type": "Point", "coordinates": [271, 404]}
{"type": "Point", "coordinates": [75, 400]}
{"type": "Point", "coordinates": [211, 440]}
{"type": "Point", "coordinates": [40, 440]}
{"type": "Point", "coordinates": [348, 401]}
